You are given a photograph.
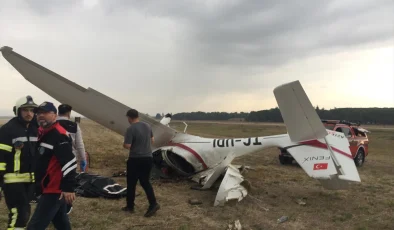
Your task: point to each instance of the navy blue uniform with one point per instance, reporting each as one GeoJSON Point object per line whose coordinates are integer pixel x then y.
{"type": "Point", "coordinates": [17, 165]}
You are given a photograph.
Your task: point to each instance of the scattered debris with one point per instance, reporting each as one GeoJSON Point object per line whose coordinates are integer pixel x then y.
{"type": "Point", "coordinates": [235, 226]}
{"type": "Point", "coordinates": [282, 219]}
{"type": "Point", "coordinates": [119, 174]}
{"type": "Point", "coordinates": [244, 167]}
{"type": "Point", "coordinates": [230, 187]}
{"type": "Point", "coordinates": [247, 185]}
{"type": "Point", "coordinates": [194, 201]}
{"type": "Point", "coordinates": [301, 201]}
{"type": "Point", "coordinates": [265, 209]}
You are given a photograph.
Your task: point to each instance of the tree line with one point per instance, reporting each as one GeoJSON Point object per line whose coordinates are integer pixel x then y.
{"type": "Point", "coordinates": [362, 115]}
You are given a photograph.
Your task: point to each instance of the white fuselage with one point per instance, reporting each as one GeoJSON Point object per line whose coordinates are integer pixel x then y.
{"type": "Point", "coordinates": [204, 153]}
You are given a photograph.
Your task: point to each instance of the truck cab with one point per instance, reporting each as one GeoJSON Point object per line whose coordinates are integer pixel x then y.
{"type": "Point", "coordinates": [357, 137]}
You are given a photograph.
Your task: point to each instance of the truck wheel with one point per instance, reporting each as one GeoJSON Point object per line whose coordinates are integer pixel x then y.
{"type": "Point", "coordinates": [360, 157]}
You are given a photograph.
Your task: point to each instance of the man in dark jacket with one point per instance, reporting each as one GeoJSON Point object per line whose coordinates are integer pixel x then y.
{"type": "Point", "coordinates": [18, 139]}
{"type": "Point", "coordinates": [55, 174]}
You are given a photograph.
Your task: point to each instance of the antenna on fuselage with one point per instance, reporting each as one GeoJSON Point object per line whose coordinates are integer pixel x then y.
{"type": "Point", "coordinates": [185, 127]}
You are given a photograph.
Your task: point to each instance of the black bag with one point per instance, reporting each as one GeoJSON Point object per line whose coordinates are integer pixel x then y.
{"type": "Point", "coordinates": [90, 185]}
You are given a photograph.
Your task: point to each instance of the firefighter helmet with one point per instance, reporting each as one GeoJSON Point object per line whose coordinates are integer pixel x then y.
{"type": "Point", "coordinates": [24, 102]}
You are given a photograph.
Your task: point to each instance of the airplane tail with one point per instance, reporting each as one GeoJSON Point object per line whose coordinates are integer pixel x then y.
{"type": "Point", "coordinates": [324, 155]}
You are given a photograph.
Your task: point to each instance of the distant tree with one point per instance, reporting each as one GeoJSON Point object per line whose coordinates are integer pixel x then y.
{"type": "Point", "coordinates": [362, 115]}
{"type": "Point", "coordinates": [158, 116]}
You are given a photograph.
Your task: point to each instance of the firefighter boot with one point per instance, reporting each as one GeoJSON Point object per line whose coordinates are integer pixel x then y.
{"type": "Point", "coordinates": [16, 198]}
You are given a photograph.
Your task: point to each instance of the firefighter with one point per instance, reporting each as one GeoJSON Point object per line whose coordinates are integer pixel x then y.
{"type": "Point", "coordinates": [18, 138]}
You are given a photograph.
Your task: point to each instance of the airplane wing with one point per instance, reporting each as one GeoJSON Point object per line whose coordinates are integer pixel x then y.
{"type": "Point", "coordinates": [88, 102]}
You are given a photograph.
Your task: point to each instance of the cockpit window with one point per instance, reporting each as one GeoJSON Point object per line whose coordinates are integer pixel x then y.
{"type": "Point", "coordinates": [358, 133]}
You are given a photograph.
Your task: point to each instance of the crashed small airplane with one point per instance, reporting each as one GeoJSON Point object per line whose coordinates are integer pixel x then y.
{"type": "Point", "coordinates": [204, 160]}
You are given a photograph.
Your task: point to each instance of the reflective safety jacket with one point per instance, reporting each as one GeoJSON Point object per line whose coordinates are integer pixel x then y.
{"type": "Point", "coordinates": [56, 165]}
{"type": "Point", "coordinates": [17, 151]}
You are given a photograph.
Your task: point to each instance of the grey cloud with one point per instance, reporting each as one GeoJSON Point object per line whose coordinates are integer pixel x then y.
{"type": "Point", "coordinates": [254, 37]}
{"type": "Point", "coordinates": [274, 32]}
{"type": "Point", "coordinates": [46, 7]}
{"type": "Point", "coordinates": [197, 49]}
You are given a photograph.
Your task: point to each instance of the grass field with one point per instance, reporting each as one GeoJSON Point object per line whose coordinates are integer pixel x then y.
{"type": "Point", "coordinates": [368, 205]}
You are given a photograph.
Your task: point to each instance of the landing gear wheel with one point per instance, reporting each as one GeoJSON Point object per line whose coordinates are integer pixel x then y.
{"type": "Point", "coordinates": [360, 158]}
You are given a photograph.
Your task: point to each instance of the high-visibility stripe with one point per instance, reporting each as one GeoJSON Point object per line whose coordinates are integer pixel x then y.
{"type": "Point", "coordinates": [72, 164]}
{"type": "Point", "coordinates": [68, 164]}
{"type": "Point", "coordinates": [24, 139]}
{"type": "Point", "coordinates": [69, 170]}
{"type": "Point", "coordinates": [17, 160]}
{"type": "Point", "coordinates": [48, 146]}
{"type": "Point", "coordinates": [3, 166]}
{"type": "Point", "coordinates": [14, 217]}
{"type": "Point", "coordinates": [5, 147]}
{"type": "Point", "coordinates": [18, 177]}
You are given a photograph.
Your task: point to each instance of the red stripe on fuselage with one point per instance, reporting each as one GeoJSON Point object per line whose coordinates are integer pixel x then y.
{"type": "Point", "coordinates": [318, 144]}
{"type": "Point", "coordinates": [195, 154]}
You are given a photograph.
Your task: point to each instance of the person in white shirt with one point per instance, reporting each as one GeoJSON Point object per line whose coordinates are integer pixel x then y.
{"type": "Point", "coordinates": [64, 113]}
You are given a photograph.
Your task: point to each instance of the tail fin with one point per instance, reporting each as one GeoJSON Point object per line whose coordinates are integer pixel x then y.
{"type": "Point", "coordinates": [300, 117]}
{"type": "Point", "coordinates": [323, 155]}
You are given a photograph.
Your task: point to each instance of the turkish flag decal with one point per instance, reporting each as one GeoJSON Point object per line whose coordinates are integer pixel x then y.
{"type": "Point", "coordinates": [320, 166]}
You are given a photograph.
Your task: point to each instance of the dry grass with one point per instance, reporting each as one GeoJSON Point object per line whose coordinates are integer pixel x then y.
{"type": "Point", "coordinates": [368, 205]}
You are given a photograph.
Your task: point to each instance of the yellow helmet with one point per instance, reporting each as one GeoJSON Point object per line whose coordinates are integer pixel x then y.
{"type": "Point", "coordinates": [24, 102]}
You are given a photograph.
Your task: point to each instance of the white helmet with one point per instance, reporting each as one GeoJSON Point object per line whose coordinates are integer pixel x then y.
{"type": "Point", "coordinates": [24, 102]}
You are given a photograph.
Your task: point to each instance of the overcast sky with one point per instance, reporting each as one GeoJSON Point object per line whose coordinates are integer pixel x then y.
{"type": "Point", "coordinates": [175, 56]}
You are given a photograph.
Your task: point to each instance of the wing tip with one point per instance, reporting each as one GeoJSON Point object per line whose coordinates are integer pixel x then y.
{"type": "Point", "coordinates": [286, 85]}
{"type": "Point", "coordinates": [6, 49]}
